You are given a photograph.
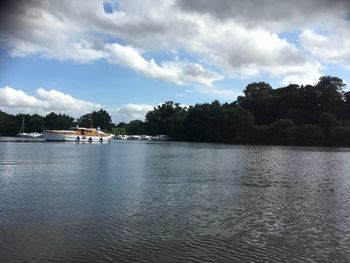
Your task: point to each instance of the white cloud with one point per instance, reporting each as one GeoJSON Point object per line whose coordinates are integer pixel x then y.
{"type": "Point", "coordinates": [239, 38]}
{"type": "Point", "coordinates": [177, 72]}
{"type": "Point", "coordinates": [58, 101]}
{"type": "Point", "coordinates": [17, 101]}
{"type": "Point", "coordinates": [219, 93]}
{"type": "Point", "coordinates": [10, 97]}
{"type": "Point", "coordinates": [330, 47]}
{"type": "Point", "coordinates": [130, 112]}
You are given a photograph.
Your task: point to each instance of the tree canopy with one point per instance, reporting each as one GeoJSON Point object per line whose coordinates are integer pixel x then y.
{"type": "Point", "coordinates": [292, 115]}
{"type": "Point", "coordinates": [96, 119]}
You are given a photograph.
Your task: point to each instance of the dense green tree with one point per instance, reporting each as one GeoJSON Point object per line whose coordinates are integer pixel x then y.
{"type": "Point", "coordinates": [166, 119]}
{"type": "Point", "coordinates": [345, 111]}
{"type": "Point", "coordinates": [32, 123]}
{"type": "Point", "coordinates": [135, 127]}
{"type": "Point", "coordinates": [96, 119]}
{"type": "Point", "coordinates": [330, 94]}
{"type": "Point", "coordinates": [35, 123]}
{"type": "Point", "coordinates": [121, 125]}
{"type": "Point", "coordinates": [8, 124]}
{"type": "Point", "coordinates": [218, 123]}
{"type": "Point", "coordinates": [340, 136]}
{"type": "Point", "coordinates": [58, 121]}
{"type": "Point", "coordinates": [119, 131]}
{"type": "Point", "coordinates": [261, 101]}
{"type": "Point", "coordinates": [282, 131]}
{"type": "Point", "coordinates": [304, 115]}
{"type": "Point", "coordinates": [326, 122]}
{"type": "Point", "coordinates": [309, 134]}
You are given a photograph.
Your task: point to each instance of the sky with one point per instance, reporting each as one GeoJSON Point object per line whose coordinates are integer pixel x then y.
{"type": "Point", "coordinates": [129, 56]}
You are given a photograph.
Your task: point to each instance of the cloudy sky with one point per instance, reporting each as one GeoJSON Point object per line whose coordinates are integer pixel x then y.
{"type": "Point", "coordinates": [127, 56]}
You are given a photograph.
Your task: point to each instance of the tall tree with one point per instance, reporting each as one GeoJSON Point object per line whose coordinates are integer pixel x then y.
{"type": "Point", "coordinates": [96, 119]}
{"type": "Point", "coordinates": [58, 121]}
{"type": "Point", "coordinates": [166, 119]}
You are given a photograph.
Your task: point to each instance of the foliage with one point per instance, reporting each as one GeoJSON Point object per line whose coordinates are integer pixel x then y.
{"type": "Point", "coordinates": [166, 119]}
{"type": "Point", "coordinates": [119, 131]}
{"type": "Point", "coordinates": [340, 136]}
{"type": "Point", "coordinates": [8, 124]}
{"type": "Point", "coordinates": [293, 115]}
{"type": "Point", "coordinates": [55, 121]}
{"type": "Point", "coordinates": [96, 119]}
{"type": "Point", "coordinates": [135, 127]}
{"type": "Point", "coordinates": [309, 134]}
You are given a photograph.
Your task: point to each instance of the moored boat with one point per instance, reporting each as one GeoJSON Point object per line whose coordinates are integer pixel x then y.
{"type": "Point", "coordinates": [121, 137]}
{"type": "Point", "coordinates": [24, 134]}
{"type": "Point", "coordinates": [77, 134]}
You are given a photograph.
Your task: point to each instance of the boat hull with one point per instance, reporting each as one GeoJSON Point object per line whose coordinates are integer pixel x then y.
{"type": "Point", "coordinates": [54, 136]}
{"type": "Point", "coordinates": [86, 139]}
{"type": "Point", "coordinates": [78, 135]}
{"type": "Point", "coordinates": [66, 137]}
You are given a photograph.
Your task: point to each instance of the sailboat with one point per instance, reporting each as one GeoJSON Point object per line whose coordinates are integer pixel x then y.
{"type": "Point", "coordinates": [22, 133]}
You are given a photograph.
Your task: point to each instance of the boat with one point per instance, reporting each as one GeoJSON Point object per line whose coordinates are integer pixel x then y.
{"type": "Point", "coordinates": [160, 138]}
{"type": "Point", "coordinates": [22, 133]}
{"type": "Point", "coordinates": [121, 137]}
{"type": "Point", "coordinates": [78, 135]}
{"type": "Point", "coordinates": [134, 137]}
{"type": "Point", "coordinates": [111, 136]}
{"type": "Point", "coordinates": [35, 135]}
{"type": "Point", "coordinates": [145, 138]}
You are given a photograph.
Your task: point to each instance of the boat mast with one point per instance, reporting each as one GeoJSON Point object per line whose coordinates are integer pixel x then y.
{"type": "Point", "coordinates": [22, 126]}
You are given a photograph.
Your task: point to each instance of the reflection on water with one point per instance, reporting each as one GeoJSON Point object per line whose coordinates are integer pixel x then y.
{"type": "Point", "coordinates": [172, 202]}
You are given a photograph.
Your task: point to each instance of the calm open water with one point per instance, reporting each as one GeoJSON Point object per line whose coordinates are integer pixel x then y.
{"type": "Point", "coordinates": [173, 202]}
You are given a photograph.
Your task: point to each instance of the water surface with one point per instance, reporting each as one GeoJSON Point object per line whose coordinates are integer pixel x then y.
{"type": "Point", "coordinates": [173, 202]}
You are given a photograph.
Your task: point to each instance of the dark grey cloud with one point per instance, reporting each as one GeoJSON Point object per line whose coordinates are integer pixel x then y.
{"type": "Point", "coordinates": [267, 11]}
{"type": "Point", "coordinates": [222, 33]}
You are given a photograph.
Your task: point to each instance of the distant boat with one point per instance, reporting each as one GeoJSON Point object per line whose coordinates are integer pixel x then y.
{"type": "Point", "coordinates": [160, 138]}
{"type": "Point", "coordinates": [121, 137]}
{"type": "Point", "coordinates": [22, 132]}
{"type": "Point", "coordinates": [134, 137]}
{"type": "Point", "coordinates": [145, 138]}
{"type": "Point", "coordinates": [77, 134]}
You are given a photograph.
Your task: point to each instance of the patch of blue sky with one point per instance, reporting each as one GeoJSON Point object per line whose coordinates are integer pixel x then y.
{"type": "Point", "coordinates": [342, 72]}
{"type": "Point", "coordinates": [173, 55]}
{"type": "Point", "coordinates": [291, 37]}
{"type": "Point", "coordinates": [110, 7]}
{"type": "Point", "coordinates": [105, 38]}
{"type": "Point", "coordinates": [99, 82]}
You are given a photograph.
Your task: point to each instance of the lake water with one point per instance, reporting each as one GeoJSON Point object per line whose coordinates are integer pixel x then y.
{"type": "Point", "coordinates": [173, 202]}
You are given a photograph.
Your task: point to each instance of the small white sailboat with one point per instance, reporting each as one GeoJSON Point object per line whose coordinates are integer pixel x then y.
{"type": "Point", "coordinates": [22, 133]}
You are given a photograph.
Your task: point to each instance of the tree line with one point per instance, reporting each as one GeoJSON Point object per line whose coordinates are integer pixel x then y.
{"type": "Point", "coordinates": [10, 124]}
{"type": "Point", "coordinates": [292, 115]}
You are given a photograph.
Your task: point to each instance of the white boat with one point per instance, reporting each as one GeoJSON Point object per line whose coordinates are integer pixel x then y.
{"type": "Point", "coordinates": [111, 136]}
{"type": "Point", "coordinates": [77, 134]}
{"type": "Point", "coordinates": [35, 135]}
{"type": "Point", "coordinates": [22, 133]}
{"type": "Point", "coordinates": [160, 138]}
{"type": "Point", "coordinates": [134, 137]}
{"type": "Point", "coordinates": [145, 138]}
{"type": "Point", "coordinates": [121, 137]}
